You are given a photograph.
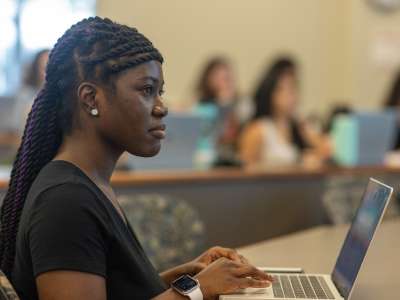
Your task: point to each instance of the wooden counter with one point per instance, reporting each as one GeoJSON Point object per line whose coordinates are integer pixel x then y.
{"type": "Point", "coordinates": [240, 207]}
{"type": "Point", "coordinates": [143, 178]}
{"type": "Point", "coordinates": [121, 179]}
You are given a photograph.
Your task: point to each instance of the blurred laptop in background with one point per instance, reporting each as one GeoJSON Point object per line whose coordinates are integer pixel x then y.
{"type": "Point", "coordinates": [363, 138]}
{"type": "Point", "coordinates": [178, 149]}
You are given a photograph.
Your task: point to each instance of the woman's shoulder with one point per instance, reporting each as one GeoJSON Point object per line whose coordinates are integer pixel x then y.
{"type": "Point", "coordinates": [258, 125]}
{"type": "Point", "coordinates": [70, 195]}
{"type": "Point", "coordinates": [254, 130]}
{"type": "Point", "coordinates": [59, 180]}
{"type": "Point", "coordinates": [60, 171]}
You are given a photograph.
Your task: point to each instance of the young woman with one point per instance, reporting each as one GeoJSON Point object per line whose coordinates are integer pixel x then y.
{"type": "Point", "coordinates": [218, 93]}
{"type": "Point", "coordinates": [21, 104]}
{"type": "Point", "coordinates": [275, 137]}
{"type": "Point", "coordinates": [33, 81]}
{"type": "Point", "coordinates": [393, 102]}
{"type": "Point", "coordinates": [63, 234]}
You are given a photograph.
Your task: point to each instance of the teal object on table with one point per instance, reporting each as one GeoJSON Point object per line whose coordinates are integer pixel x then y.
{"type": "Point", "coordinates": [205, 155]}
{"type": "Point", "coordinates": [363, 138]}
{"type": "Point", "coordinates": [345, 140]}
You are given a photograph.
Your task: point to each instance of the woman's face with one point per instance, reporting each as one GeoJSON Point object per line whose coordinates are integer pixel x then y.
{"type": "Point", "coordinates": [222, 82]}
{"type": "Point", "coordinates": [130, 116]}
{"type": "Point", "coordinates": [285, 96]}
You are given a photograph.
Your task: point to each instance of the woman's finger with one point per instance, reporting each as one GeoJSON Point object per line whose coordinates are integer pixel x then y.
{"type": "Point", "coordinates": [243, 259]}
{"type": "Point", "coordinates": [229, 253]}
{"type": "Point", "coordinates": [252, 283]}
{"type": "Point", "coordinates": [247, 270]}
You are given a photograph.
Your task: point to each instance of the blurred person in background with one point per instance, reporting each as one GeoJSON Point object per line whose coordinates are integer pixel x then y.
{"type": "Point", "coordinates": [218, 97]}
{"type": "Point", "coordinates": [32, 82]}
{"type": "Point", "coordinates": [275, 136]}
{"type": "Point", "coordinates": [20, 106]}
{"type": "Point", "coordinates": [337, 110]}
{"type": "Point", "coordinates": [393, 101]}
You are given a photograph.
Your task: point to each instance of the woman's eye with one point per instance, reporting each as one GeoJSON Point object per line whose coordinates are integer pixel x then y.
{"type": "Point", "coordinates": [148, 90]}
{"type": "Point", "coordinates": [161, 92]}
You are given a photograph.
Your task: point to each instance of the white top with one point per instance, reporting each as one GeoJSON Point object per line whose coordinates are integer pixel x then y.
{"type": "Point", "coordinates": [275, 150]}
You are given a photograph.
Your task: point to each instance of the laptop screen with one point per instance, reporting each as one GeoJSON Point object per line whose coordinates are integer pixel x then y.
{"type": "Point", "coordinates": [358, 239]}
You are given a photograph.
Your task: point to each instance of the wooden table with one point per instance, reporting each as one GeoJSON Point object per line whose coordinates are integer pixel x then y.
{"type": "Point", "coordinates": [316, 251]}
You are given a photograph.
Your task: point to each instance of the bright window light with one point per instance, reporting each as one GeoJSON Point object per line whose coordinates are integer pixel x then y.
{"type": "Point", "coordinates": [42, 22]}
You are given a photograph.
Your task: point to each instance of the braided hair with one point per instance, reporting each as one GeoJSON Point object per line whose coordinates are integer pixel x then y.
{"type": "Point", "coordinates": [93, 49]}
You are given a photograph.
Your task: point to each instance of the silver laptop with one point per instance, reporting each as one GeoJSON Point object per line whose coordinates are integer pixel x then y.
{"type": "Point", "coordinates": [339, 284]}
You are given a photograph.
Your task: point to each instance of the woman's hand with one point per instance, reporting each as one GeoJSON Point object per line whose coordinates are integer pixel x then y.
{"type": "Point", "coordinates": [192, 268]}
{"type": "Point", "coordinates": [217, 252]}
{"type": "Point", "coordinates": [225, 276]}
{"type": "Point", "coordinates": [198, 264]}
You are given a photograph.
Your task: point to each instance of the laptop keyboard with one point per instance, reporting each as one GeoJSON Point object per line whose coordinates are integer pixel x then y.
{"type": "Point", "coordinates": [301, 287]}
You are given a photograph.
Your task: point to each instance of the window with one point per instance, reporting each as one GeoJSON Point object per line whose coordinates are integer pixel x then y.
{"type": "Point", "coordinates": [27, 26]}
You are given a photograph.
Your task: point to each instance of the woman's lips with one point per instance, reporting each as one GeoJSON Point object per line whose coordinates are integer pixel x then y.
{"type": "Point", "coordinates": [158, 132]}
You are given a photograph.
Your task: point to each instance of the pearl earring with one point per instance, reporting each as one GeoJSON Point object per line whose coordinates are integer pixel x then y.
{"type": "Point", "coordinates": [94, 112]}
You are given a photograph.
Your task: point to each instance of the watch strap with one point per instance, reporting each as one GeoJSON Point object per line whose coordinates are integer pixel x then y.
{"type": "Point", "coordinates": [196, 294]}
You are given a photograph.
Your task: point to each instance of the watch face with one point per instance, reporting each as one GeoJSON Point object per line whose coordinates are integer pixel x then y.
{"type": "Point", "coordinates": [185, 283]}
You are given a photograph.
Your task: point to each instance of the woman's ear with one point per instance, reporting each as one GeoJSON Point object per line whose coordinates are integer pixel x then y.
{"type": "Point", "coordinates": [87, 96]}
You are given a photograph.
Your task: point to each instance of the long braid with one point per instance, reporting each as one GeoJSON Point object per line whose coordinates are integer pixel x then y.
{"type": "Point", "coordinates": [92, 49]}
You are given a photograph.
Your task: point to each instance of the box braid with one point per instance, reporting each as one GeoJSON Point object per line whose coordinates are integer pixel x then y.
{"type": "Point", "coordinates": [94, 49]}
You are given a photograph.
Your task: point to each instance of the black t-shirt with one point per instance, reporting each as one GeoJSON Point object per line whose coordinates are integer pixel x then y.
{"type": "Point", "coordinates": [68, 224]}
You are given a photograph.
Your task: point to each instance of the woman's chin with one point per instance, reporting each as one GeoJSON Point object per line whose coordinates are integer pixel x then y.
{"type": "Point", "coordinates": [146, 152]}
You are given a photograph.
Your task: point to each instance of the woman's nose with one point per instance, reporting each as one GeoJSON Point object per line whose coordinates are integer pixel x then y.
{"type": "Point", "coordinates": [160, 111]}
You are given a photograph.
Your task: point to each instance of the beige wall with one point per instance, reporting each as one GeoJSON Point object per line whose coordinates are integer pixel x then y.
{"type": "Point", "coordinates": [370, 79]}
{"type": "Point", "coordinates": [328, 37]}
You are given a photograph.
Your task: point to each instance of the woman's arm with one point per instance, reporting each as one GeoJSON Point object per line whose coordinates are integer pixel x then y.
{"type": "Point", "coordinates": [220, 277]}
{"type": "Point", "coordinates": [67, 285]}
{"type": "Point", "coordinates": [191, 268]}
{"type": "Point", "coordinates": [321, 145]}
{"type": "Point", "coordinates": [250, 145]}
{"type": "Point", "coordinates": [170, 295]}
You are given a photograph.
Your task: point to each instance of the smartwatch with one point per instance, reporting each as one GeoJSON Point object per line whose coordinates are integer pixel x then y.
{"type": "Point", "coordinates": [188, 286]}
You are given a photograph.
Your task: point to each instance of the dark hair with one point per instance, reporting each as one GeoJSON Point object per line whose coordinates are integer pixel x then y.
{"type": "Point", "coordinates": [205, 92]}
{"type": "Point", "coordinates": [393, 98]}
{"type": "Point", "coordinates": [32, 77]}
{"type": "Point", "coordinates": [263, 96]}
{"type": "Point", "coordinates": [93, 49]}
{"type": "Point", "coordinates": [339, 109]}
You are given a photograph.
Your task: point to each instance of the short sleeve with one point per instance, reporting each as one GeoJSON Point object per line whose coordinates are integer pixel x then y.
{"type": "Point", "coordinates": [66, 232]}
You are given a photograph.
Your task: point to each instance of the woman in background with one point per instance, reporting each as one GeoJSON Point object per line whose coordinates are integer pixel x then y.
{"type": "Point", "coordinates": [218, 97]}
{"type": "Point", "coordinates": [275, 136]}
{"type": "Point", "coordinates": [393, 101]}
{"type": "Point", "coordinates": [20, 106]}
{"type": "Point", "coordinates": [32, 82]}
